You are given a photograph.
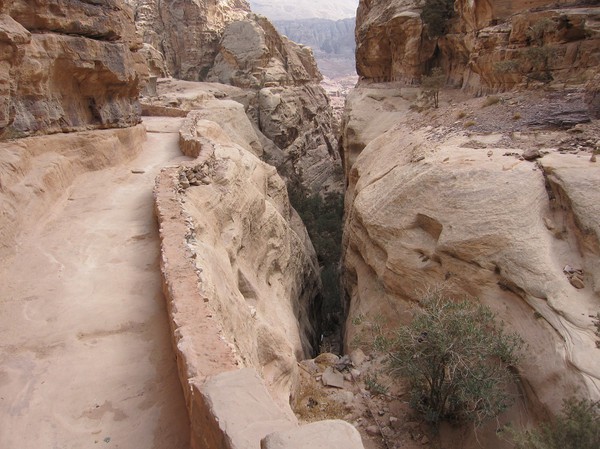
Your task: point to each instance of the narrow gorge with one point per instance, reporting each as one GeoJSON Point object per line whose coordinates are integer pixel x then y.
{"type": "Point", "coordinates": [197, 253]}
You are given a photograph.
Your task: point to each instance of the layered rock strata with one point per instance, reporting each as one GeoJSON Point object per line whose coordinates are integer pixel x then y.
{"type": "Point", "coordinates": [67, 66]}
{"type": "Point", "coordinates": [482, 46]}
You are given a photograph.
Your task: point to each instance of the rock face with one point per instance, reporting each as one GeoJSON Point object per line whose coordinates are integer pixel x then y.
{"type": "Point", "coordinates": [431, 206]}
{"type": "Point", "coordinates": [253, 54]}
{"type": "Point", "coordinates": [67, 66]}
{"type": "Point", "coordinates": [189, 55]}
{"type": "Point", "coordinates": [36, 171]}
{"type": "Point", "coordinates": [486, 45]}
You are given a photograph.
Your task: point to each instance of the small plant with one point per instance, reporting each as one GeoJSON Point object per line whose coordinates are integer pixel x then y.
{"type": "Point", "coordinates": [374, 386]}
{"type": "Point", "coordinates": [461, 114]}
{"type": "Point", "coordinates": [431, 85]}
{"type": "Point", "coordinates": [517, 116]}
{"type": "Point", "coordinates": [358, 319]}
{"type": "Point", "coordinates": [490, 101]}
{"type": "Point", "coordinates": [457, 360]}
{"type": "Point", "coordinates": [469, 123]}
{"type": "Point", "coordinates": [578, 427]}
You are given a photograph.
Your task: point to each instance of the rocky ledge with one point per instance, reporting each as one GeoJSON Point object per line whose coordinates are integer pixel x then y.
{"type": "Point", "coordinates": [68, 66]}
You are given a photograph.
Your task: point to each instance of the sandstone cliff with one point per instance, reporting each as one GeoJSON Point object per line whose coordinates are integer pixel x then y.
{"type": "Point", "coordinates": [437, 205]}
{"type": "Point", "coordinates": [186, 32]}
{"type": "Point", "coordinates": [483, 45]}
{"type": "Point", "coordinates": [67, 66]}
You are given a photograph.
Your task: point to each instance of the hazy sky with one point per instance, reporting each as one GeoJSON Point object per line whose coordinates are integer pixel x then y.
{"type": "Point", "coordinates": [305, 9]}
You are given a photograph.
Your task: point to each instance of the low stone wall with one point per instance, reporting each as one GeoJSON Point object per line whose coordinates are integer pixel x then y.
{"type": "Point", "coordinates": [228, 401]}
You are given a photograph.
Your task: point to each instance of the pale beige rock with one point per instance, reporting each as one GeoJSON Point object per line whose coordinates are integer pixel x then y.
{"type": "Point", "coordinates": [330, 434]}
{"type": "Point", "coordinates": [233, 122]}
{"type": "Point", "coordinates": [36, 171]}
{"type": "Point", "coordinates": [253, 54]}
{"type": "Point", "coordinates": [236, 412]}
{"type": "Point", "coordinates": [293, 125]}
{"type": "Point", "coordinates": [459, 219]}
{"type": "Point", "coordinates": [255, 266]}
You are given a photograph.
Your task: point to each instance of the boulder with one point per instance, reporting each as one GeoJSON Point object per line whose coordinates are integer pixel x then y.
{"type": "Point", "coordinates": [331, 434]}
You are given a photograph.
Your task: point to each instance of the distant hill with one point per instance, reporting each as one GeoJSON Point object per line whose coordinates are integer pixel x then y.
{"type": "Point", "coordinates": [332, 42]}
{"type": "Point", "coordinates": [325, 26]}
{"type": "Point", "coordinates": [305, 9]}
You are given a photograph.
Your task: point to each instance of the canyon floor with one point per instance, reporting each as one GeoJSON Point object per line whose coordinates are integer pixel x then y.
{"type": "Point", "coordinates": [85, 352]}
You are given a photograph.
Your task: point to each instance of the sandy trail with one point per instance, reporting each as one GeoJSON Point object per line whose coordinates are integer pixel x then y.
{"type": "Point", "coordinates": [85, 353]}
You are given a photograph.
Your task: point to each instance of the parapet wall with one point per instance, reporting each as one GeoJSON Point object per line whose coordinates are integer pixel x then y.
{"type": "Point", "coordinates": [236, 366]}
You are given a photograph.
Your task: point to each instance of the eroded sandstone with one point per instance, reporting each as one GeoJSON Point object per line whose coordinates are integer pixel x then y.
{"type": "Point", "coordinates": [438, 206]}
{"type": "Point", "coordinates": [484, 45]}
{"type": "Point", "coordinates": [70, 67]}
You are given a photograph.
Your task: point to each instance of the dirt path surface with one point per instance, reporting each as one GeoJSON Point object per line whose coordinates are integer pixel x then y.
{"type": "Point", "coordinates": [85, 352]}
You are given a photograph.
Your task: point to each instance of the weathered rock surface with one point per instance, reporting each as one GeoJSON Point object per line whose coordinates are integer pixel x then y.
{"type": "Point", "coordinates": [425, 207]}
{"type": "Point", "coordinates": [67, 66]}
{"type": "Point", "coordinates": [236, 412]}
{"type": "Point", "coordinates": [331, 434]}
{"type": "Point", "coordinates": [253, 54]}
{"type": "Point", "coordinates": [36, 171]}
{"type": "Point", "coordinates": [189, 54]}
{"type": "Point", "coordinates": [486, 46]}
{"type": "Point", "coordinates": [293, 125]}
{"type": "Point", "coordinates": [255, 266]}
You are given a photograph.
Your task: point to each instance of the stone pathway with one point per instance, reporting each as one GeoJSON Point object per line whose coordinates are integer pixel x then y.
{"type": "Point", "coordinates": [85, 352]}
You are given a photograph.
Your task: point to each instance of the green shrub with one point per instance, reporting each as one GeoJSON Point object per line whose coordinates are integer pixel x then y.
{"type": "Point", "coordinates": [457, 360]}
{"type": "Point", "coordinates": [431, 85]}
{"type": "Point", "coordinates": [578, 427]}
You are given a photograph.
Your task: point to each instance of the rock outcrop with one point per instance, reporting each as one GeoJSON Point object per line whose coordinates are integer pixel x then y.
{"type": "Point", "coordinates": [482, 46]}
{"type": "Point", "coordinates": [477, 215]}
{"type": "Point", "coordinates": [67, 66]}
{"type": "Point", "coordinates": [253, 54]}
{"type": "Point", "coordinates": [186, 32]}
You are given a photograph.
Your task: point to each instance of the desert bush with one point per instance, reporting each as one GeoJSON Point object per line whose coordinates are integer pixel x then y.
{"type": "Point", "coordinates": [457, 360]}
{"type": "Point", "coordinates": [491, 100]}
{"type": "Point", "coordinates": [578, 427]}
{"type": "Point", "coordinates": [431, 85]}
